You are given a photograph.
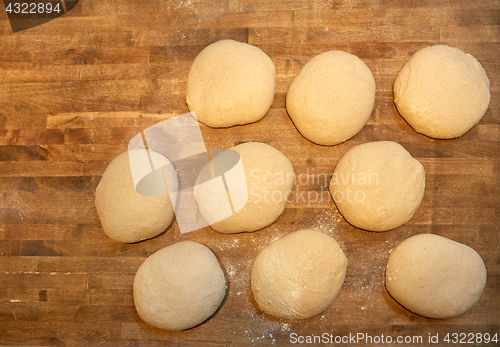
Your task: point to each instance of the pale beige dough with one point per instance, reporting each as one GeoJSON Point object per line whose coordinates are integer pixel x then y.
{"type": "Point", "coordinates": [378, 186]}
{"type": "Point", "coordinates": [179, 286]}
{"type": "Point", "coordinates": [269, 178]}
{"type": "Point", "coordinates": [127, 216]}
{"type": "Point", "coordinates": [331, 98]}
{"type": "Point", "coordinates": [299, 275]}
{"type": "Point", "coordinates": [434, 276]}
{"type": "Point", "coordinates": [230, 83]}
{"type": "Point", "coordinates": [442, 92]}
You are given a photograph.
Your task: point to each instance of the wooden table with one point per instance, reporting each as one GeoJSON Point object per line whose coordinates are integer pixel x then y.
{"type": "Point", "coordinates": [75, 90]}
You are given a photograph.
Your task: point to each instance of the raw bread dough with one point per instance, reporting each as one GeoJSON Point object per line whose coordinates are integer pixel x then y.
{"type": "Point", "coordinates": [331, 98]}
{"type": "Point", "coordinates": [378, 186]}
{"type": "Point", "coordinates": [442, 92]}
{"type": "Point", "coordinates": [179, 286]}
{"type": "Point", "coordinates": [230, 83]}
{"type": "Point", "coordinates": [299, 275]}
{"type": "Point", "coordinates": [269, 180]}
{"type": "Point", "coordinates": [435, 277]}
{"type": "Point", "coordinates": [127, 216]}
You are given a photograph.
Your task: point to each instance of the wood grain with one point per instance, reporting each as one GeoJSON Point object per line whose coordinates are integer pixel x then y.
{"type": "Point", "coordinates": [75, 90]}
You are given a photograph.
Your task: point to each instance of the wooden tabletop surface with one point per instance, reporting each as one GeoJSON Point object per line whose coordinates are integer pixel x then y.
{"type": "Point", "coordinates": [75, 90]}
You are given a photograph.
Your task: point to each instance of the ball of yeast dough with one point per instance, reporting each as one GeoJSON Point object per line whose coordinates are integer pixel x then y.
{"type": "Point", "coordinates": [331, 98]}
{"type": "Point", "coordinates": [179, 286]}
{"type": "Point", "coordinates": [127, 216]}
{"type": "Point", "coordinates": [269, 179]}
{"type": "Point", "coordinates": [442, 92]}
{"type": "Point", "coordinates": [435, 277]}
{"type": "Point", "coordinates": [230, 83]}
{"type": "Point", "coordinates": [299, 275]}
{"type": "Point", "coordinates": [378, 186]}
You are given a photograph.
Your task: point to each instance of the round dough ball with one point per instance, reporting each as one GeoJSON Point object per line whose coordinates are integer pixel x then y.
{"type": "Point", "coordinates": [299, 275]}
{"type": "Point", "coordinates": [378, 186]}
{"type": "Point", "coordinates": [442, 92]}
{"type": "Point", "coordinates": [179, 286]}
{"type": "Point", "coordinates": [127, 216]}
{"type": "Point", "coordinates": [435, 277]}
{"type": "Point", "coordinates": [230, 83]}
{"type": "Point", "coordinates": [269, 180]}
{"type": "Point", "coordinates": [331, 98]}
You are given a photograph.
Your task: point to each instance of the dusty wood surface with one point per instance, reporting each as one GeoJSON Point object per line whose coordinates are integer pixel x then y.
{"type": "Point", "coordinates": [75, 90]}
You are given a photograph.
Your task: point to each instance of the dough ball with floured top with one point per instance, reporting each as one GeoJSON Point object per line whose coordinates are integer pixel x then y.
{"type": "Point", "coordinates": [126, 215]}
{"type": "Point", "coordinates": [442, 92]}
{"type": "Point", "coordinates": [179, 286]}
{"type": "Point", "coordinates": [299, 275]}
{"type": "Point", "coordinates": [230, 83]}
{"type": "Point", "coordinates": [269, 177]}
{"type": "Point", "coordinates": [378, 186]}
{"type": "Point", "coordinates": [332, 97]}
{"type": "Point", "coordinates": [434, 276]}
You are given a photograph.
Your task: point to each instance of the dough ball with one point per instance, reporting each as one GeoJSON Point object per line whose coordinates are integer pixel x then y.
{"type": "Point", "coordinates": [127, 216]}
{"type": "Point", "coordinates": [331, 98]}
{"type": "Point", "coordinates": [442, 92]}
{"type": "Point", "coordinates": [435, 277]}
{"type": "Point", "coordinates": [378, 186]}
{"type": "Point", "coordinates": [230, 83]}
{"type": "Point", "coordinates": [179, 286]}
{"type": "Point", "coordinates": [299, 275]}
{"type": "Point", "coordinates": [269, 180]}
